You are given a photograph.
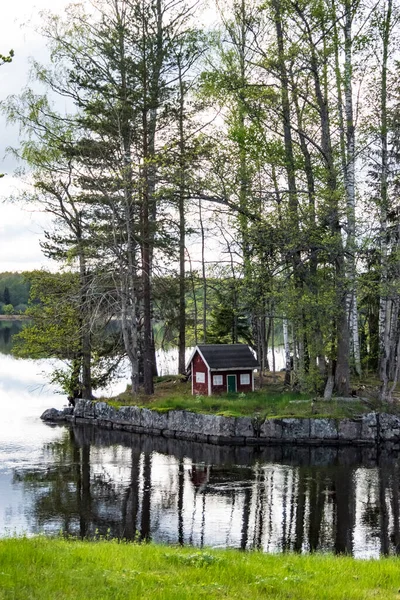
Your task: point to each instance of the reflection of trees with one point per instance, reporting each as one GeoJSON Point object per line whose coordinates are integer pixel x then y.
{"type": "Point", "coordinates": [145, 533]}
{"type": "Point", "coordinates": [130, 503]}
{"type": "Point", "coordinates": [181, 485]}
{"type": "Point", "coordinates": [395, 537]}
{"type": "Point", "coordinates": [315, 508]}
{"type": "Point", "coordinates": [266, 506]}
{"type": "Point", "coordinates": [384, 516]}
{"type": "Point", "coordinates": [70, 497]}
{"type": "Point", "coordinates": [7, 330]}
{"type": "Point", "coordinates": [62, 492]}
{"type": "Point", "coordinates": [381, 513]}
{"type": "Point", "coordinates": [345, 510]}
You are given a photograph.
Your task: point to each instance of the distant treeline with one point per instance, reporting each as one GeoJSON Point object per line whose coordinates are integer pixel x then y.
{"type": "Point", "coordinates": [14, 293]}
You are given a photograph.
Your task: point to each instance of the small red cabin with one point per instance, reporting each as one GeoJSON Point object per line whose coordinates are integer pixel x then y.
{"type": "Point", "coordinates": [218, 368]}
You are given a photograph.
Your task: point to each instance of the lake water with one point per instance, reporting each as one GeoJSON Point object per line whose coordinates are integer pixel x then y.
{"type": "Point", "coordinates": [90, 482]}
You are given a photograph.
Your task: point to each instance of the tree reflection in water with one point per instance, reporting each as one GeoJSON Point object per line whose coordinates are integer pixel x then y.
{"type": "Point", "coordinates": [108, 483]}
{"type": "Point", "coordinates": [7, 330]}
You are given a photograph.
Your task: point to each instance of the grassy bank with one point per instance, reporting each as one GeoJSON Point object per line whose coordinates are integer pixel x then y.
{"type": "Point", "coordinates": [271, 401]}
{"type": "Point", "coordinates": [45, 569]}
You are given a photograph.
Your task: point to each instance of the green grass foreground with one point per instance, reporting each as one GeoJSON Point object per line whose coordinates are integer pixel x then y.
{"type": "Point", "coordinates": [52, 569]}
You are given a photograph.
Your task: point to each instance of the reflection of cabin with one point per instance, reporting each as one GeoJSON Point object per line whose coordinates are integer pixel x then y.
{"type": "Point", "coordinates": [218, 368]}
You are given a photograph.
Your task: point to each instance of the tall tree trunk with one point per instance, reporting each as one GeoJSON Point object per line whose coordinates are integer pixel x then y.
{"type": "Point", "coordinates": [203, 273]}
{"type": "Point", "coordinates": [287, 351]}
{"type": "Point", "coordinates": [85, 328]}
{"type": "Point", "coordinates": [342, 371]}
{"type": "Point", "coordinates": [195, 311]}
{"type": "Point", "coordinates": [182, 234]}
{"type": "Point", "coordinates": [350, 185]}
{"type": "Point", "coordinates": [128, 280]}
{"type": "Point", "coordinates": [385, 303]}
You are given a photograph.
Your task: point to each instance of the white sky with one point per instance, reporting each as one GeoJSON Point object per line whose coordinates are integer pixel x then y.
{"type": "Point", "coordinates": [20, 227]}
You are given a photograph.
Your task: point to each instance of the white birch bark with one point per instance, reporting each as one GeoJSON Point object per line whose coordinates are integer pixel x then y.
{"type": "Point", "coordinates": [286, 345]}
{"type": "Point", "coordinates": [384, 301]}
{"type": "Point", "coordinates": [350, 184]}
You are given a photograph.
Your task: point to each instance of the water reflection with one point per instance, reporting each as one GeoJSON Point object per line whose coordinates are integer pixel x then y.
{"type": "Point", "coordinates": [7, 330]}
{"type": "Point", "coordinates": [280, 499]}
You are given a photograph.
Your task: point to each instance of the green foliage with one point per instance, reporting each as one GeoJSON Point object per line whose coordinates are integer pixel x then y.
{"type": "Point", "coordinates": [54, 331]}
{"type": "Point", "coordinates": [14, 288]}
{"type": "Point", "coordinates": [8, 309]}
{"type": "Point", "coordinates": [6, 58]}
{"type": "Point", "coordinates": [54, 312]}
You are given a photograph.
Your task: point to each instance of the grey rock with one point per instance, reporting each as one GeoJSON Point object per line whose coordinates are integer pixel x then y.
{"type": "Point", "coordinates": [107, 424]}
{"type": "Point", "coordinates": [68, 410]}
{"type": "Point", "coordinates": [244, 427]}
{"type": "Point", "coordinates": [369, 427]}
{"type": "Point", "coordinates": [129, 415]}
{"type": "Point", "coordinates": [146, 418]}
{"type": "Point", "coordinates": [217, 425]}
{"type": "Point", "coordinates": [294, 429]}
{"type": "Point", "coordinates": [225, 425]}
{"type": "Point", "coordinates": [349, 429]}
{"type": "Point", "coordinates": [195, 423]}
{"type": "Point", "coordinates": [184, 421]}
{"type": "Point", "coordinates": [389, 427]}
{"type": "Point", "coordinates": [271, 429]}
{"type": "Point", "coordinates": [185, 435]}
{"type": "Point", "coordinates": [104, 412]}
{"type": "Point", "coordinates": [52, 414]}
{"type": "Point", "coordinates": [79, 409]}
{"type": "Point", "coordinates": [136, 415]}
{"type": "Point", "coordinates": [155, 431]}
{"type": "Point", "coordinates": [168, 433]}
{"type": "Point", "coordinates": [88, 410]}
{"type": "Point", "coordinates": [160, 420]}
{"type": "Point", "coordinates": [176, 420]}
{"type": "Point", "coordinates": [323, 429]}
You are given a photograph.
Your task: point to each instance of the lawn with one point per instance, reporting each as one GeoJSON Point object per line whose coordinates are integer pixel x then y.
{"type": "Point", "coordinates": [272, 401]}
{"type": "Point", "coordinates": [57, 569]}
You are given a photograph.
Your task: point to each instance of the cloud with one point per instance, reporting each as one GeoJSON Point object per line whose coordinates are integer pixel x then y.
{"type": "Point", "coordinates": [21, 228]}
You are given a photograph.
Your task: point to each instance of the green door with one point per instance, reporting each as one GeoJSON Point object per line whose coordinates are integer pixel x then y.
{"type": "Point", "coordinates": [231, 383]}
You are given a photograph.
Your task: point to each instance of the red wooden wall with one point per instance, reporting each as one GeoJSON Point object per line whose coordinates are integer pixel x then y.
{"type": "Point", "coordinates": [199, 366]}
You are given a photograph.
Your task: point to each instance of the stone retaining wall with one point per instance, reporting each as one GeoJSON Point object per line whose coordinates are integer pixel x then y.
{"type": "Point", "coordinates": [367, 429]}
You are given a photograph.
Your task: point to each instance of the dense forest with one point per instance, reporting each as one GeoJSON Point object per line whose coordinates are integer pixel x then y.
{"type": "Point", "coordinates": [251, 158]}
{"type": "Point", "coordinates": [14, 293]}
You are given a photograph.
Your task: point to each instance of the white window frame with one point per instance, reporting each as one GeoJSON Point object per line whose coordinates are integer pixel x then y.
{"type": "Point", "coordinates": [245, 376]}
{"type": "Point", "coordinates": [220, 380]}
{"type": "Point", "coordinates": [200, 377]}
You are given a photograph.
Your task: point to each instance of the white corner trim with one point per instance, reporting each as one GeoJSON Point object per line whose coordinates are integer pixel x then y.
{"type": "Point", "coordinates": [197, 349]}
{"type": "Point", "coordinates": [191, 357]}
{"type": "Point", "coordinates": [209, 379]}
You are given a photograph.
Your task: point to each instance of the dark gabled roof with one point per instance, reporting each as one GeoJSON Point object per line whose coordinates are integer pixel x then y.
{"type": "Point", "coordinates": [228, 356]}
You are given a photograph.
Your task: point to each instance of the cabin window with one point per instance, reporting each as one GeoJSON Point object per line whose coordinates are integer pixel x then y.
{"type": "Point", "coordinates": [200, 377]}
{"type": "Point", "coordinates": [245, 379]}
{"type": "Point", "coordinates": [218, 380]}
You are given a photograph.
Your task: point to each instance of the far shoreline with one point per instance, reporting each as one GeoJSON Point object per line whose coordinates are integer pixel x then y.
{"type": "Point", "coordinates": [13, 317]}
